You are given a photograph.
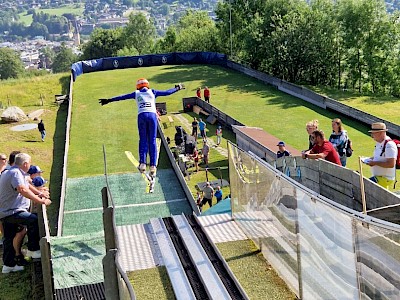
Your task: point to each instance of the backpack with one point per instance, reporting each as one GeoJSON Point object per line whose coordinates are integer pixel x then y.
{"type": "Point", "coordinates": [397, 142]}
{"type": "Point", "coordinates": [348, 148]}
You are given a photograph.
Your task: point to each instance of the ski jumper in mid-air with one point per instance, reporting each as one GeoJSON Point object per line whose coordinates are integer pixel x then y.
{"type": "Point", "coordinates": [147, 119]}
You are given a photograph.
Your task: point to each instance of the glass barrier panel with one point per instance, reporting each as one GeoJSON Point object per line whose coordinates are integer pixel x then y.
{"type": "Point", "coordinates": [328, 269]}
{"type": "Point", "coordinates": [378, 261]}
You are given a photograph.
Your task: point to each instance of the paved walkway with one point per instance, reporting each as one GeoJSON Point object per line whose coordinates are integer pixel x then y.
{"type": "Point", "coordinates": [188, 128]}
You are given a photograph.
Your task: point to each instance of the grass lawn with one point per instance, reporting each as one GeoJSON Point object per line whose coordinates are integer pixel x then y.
{"type": "Point", "coordinates": [244, 98]}
{"type": "Point", "coordinates": [76, 9]}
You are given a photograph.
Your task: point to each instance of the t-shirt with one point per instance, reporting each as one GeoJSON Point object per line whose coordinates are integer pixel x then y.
{"type": "Point", "coordinates": [206, 149]}
{"type": "Point", "coordinates": [218, 132]}
{"type": "Point", "coordinates": [202, 125]}
{"type": "Point", "coordinates": [390, 152]}
{"type": "Point", "coordinates": [206, 93]}
{"type": "Point", "coordinates": [194, 124]}
{"type": "Point", "coordinates": [11, 201]}
{"type": "Point", "coordinates": [208, 192]}
{"type": "Point", "coordinates": [284, 153]}
{"type": "Point", "coordinates": [338, 140]}
{"type": "Point", "coordinates": [218, 194]}
{"type": "Point", "coordinates": [329, 151]}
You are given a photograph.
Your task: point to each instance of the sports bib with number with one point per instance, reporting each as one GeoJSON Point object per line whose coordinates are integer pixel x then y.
{"type": "Point", "coordinates": [146, 101]}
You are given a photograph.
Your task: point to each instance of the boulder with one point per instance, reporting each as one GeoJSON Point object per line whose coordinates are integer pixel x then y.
{"type": "Point", "coordinates": [13, 114]}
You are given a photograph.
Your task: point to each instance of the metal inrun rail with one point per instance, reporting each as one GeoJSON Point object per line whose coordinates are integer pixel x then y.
{"type": "Point", "coordinates": [233, 287]}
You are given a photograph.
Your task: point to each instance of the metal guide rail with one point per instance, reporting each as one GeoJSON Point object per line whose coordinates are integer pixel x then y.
{"type": "Point", "coordinates": [234, 288]}
{"type": "Point", "coordinates": [175, 269]}
{"type": "Point", "coordinates": [210, 278]}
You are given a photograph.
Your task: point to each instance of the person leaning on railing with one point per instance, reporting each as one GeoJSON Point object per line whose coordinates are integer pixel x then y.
{"type": "Point", "coordinates": [15, 196]}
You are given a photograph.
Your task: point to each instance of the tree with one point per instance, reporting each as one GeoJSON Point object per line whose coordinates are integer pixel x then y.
{"type": "Point", "coordinates": [63, 60]}
{"type": "Point", "coordinates": [195, 32]}
{"type": "Point", "coordinates": [11, 65]}
{"type": "Point", "coordinates": [139, 33]}
{"type": "Point", "coordinates": [103, 43]}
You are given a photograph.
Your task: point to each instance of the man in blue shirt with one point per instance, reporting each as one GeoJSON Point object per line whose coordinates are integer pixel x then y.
{"type": "Point", "coordinates": [147, 119]}
{"type": "Point", "coordinates": [202, 127]}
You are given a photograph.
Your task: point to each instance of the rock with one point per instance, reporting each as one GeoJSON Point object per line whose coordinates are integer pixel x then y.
{"type": "Point", "coordinates": [13, 114]}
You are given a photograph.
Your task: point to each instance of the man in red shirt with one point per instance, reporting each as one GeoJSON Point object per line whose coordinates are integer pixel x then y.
{"type": "Point", "coordinates": [322, 149]}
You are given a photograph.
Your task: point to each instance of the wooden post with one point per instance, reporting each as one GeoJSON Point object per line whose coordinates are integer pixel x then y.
{"type": "Point", "coordinates": [47, 269]}
{"type": "Point", "coordinates": [110, 275]}
{"type": "Point", "coordinates": [364, 203]}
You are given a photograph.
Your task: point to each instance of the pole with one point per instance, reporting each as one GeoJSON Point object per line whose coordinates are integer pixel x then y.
{"type": "Point", "coordinates": [364, 203]}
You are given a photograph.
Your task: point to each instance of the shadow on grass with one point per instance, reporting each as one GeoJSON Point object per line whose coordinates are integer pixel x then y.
{"type": "Point", "coordinates": [64, 82]}
{"type": "Point", "coordinates": [248, 254]}
{"type": "Point", "coordinates": [57, 167]}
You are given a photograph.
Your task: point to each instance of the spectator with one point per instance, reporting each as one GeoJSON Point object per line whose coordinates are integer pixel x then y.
{"type": "Point", "coordinates": [322, 149]}
{"type": "Point", "coordinates": [218, 193]}
{"type": "Point", "coordinates": [311, 127]}
{"type": "Point", "coordinates": [195, 126]}
{"type": "Point", "coordinates": [39, 182]}
{"type": "Point", "coordinates": [11, 159]}
{"type": "Point", "coordinates": [282, 150]}
{"type": "Point", "coordinates": [195, 157]}
{"type": "Point", "coordinates": [3, 165]}
{"type": "Point", "coordinates": [339, 140]}
{"type": "Point", "coordinates": [198, 92]}
{"type": "Point", "coordinates": [198, 199]}
{"type": "Point", "coordinates": [205, 152]}
{"type": "Point", "coordinates": [383, 163]}
{"type": "Point", "coordinates": [3, 162]}
{"type": "Point", "coordinates": [15, 192]}
{"type": "Point", "coordinates": [42, 130]}
{"type": "Point", "coordinates": [34, 171]}
{"type": "Point", "coordinates": [202, 127]}
{"type": "Point", "coordinates": [208, 193]}
{"type": "Point", "coordinates": [207, 95]}
{"type": "Point", "coordinates": [218, 133]}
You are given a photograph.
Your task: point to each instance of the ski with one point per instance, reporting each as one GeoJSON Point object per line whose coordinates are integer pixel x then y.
{"type": "Point", "coordinates": [147, 178]}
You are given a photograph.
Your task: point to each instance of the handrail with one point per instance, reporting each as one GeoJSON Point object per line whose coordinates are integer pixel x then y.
{"type": "Point", "coordinates": [114, 225]}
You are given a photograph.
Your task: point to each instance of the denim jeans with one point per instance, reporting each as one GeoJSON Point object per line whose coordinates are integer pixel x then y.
{"type": "Point", "coordinates": [43, 134]}
{"type": "Point", "coordinates": [10, 225]}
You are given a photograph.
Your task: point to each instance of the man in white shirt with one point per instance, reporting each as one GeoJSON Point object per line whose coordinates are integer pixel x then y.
{"type": "Point", "coordinates": [383, 163]}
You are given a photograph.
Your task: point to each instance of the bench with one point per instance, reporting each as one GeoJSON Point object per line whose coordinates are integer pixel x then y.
{"type": "Point", "coordinates": [198, 110]}
{"type": "Point", "coordinates": [60, 98]}
{"type": "Point", "coordinates": [170, 120]}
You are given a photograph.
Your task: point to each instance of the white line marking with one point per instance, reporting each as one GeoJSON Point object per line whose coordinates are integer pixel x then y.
{"type": "Point", "coordinates": [123, 206]}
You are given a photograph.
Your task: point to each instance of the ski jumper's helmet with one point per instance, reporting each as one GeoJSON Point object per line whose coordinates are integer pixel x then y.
{"type": "Point", "coordinates": [141, 83]}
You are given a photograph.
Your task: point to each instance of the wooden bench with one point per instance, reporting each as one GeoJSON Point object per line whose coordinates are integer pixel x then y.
{"type": "Point", "coordinates": [170, 120]}
{"type": "Point", "coordinates": [198, 110]}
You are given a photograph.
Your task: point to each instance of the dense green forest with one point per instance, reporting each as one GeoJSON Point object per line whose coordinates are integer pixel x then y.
{"type": "Point", "coordinates": [347, 44]}
{"type": "Point", "coordinates": [351, 44]}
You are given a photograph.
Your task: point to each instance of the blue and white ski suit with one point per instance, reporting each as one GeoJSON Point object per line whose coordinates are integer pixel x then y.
{"type": "Point", "coordinates": [147, 120]}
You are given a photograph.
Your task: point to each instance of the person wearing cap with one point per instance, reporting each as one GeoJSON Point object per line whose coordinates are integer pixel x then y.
{"type": "Point", "coordinates": [282, 150]}
{"type": "Point", "coordinates": [218, 133]}
{"type": "Point", "coordinates": [147, 119]}
{"type": "Point", "coordinates": [383, 162]}
{"type": "Point", "coordinates": [34, 171]}
{"type": "Point", "coordinates": [15, 196]}
{"type": "Point", "coordinates": [322, 149]}
{"type": "Point", "coordinates": [38, 182]}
